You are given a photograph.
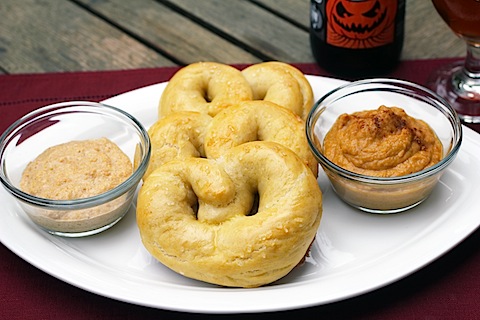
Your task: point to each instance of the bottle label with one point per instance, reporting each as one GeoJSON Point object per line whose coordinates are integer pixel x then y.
{"type": "Point", "coordinates": [358, 24]}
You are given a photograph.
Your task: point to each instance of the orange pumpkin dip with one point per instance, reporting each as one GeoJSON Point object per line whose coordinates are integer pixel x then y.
{"type": "Point", "coordinates": [385, 142]}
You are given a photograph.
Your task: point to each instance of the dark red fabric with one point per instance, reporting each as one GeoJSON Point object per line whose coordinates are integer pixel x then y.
{"type": "Point", "coordinates": [21, 93]}
{"type": "Point", "coordinates": [449, 288]}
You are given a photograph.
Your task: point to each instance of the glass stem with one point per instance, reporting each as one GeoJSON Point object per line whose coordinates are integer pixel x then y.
{"type": "Point", "coordinates": [466, 82]}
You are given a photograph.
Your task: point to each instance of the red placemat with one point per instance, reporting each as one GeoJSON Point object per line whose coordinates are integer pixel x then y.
{"type": "Point", "coordinates": [22, 93]}
{"type": "Point", "coordinates": [448, 288]}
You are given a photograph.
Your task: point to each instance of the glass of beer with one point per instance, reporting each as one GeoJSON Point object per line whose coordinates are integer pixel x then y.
{"type": "Point", "coordinates": [459, 83]}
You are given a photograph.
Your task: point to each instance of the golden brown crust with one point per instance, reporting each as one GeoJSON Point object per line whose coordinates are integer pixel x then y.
{"type": "Point", "coordinates": [282, 84]}
{"type": "Point", "coordinates": [179, 135]}
{"type": "Point", "coordinates": [230, 196]}
{"type": "Point", "coordinates": [258, 121]}
{"type": "Point", "coordinates": [220, 243]}
{"type": "Point", "coordinates": [186, 134]}
{"type": "Point", "coordinates": [205, 87]}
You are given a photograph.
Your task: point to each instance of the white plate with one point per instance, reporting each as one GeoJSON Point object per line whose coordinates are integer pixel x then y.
{"type": "Point", "coordinates": [354, 252]}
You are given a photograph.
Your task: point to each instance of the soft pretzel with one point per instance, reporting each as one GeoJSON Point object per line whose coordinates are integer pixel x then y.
{"type": "Point", "coordinates": [205, 87]}
{"type": "Point", "coordinates": [262, 121]}
{"type": "Point", "coordinates": [195, 215]}
{"type": "Point", "coordinates": [280, 83]}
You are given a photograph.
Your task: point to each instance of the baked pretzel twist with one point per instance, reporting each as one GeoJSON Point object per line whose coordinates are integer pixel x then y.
{"type": "Point", "coordinates": [195, 215]}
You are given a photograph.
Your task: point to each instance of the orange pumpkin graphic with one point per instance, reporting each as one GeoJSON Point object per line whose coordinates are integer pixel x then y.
{"type": "Point", "coordinates": [360, 23]}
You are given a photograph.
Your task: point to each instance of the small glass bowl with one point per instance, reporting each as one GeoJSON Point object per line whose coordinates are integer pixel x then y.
{"type": "Point", "coordinates": [376, 194]}
{"type": "Point", "coordinates": [63, 122]}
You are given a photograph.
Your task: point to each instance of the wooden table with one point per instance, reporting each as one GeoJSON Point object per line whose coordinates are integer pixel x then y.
{"type": "Point", "coordinates": [52, 36]}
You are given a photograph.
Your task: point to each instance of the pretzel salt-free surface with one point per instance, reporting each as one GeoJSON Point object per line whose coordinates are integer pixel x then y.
{"type": "Point", "coordinates": [282, 84]}
{"type": "Point", "coordinates": [195, 215]}
{"type": "Point", "coordinates": [258, 121]}
{"type": "Point", "coordinates": [230, 196]}
{"type": "Point", "coordinates": [205, 87]}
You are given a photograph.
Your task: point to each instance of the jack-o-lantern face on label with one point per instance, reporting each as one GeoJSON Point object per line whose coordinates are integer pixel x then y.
{"type": "Point", "coordinates": [360, 23]}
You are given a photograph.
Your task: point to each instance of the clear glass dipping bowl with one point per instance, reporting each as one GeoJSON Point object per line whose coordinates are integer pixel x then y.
{"type": "Point", "coordinates": [59, 123]}
{"type": "Point", "coordinates": [392, 194]}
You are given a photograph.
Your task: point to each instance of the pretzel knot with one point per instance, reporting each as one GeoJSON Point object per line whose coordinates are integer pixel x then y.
{"type": "Point", "coordinates": [185, 134]}
{"type": "Point", "coordinates": [201, 216]}
{"type": "Point", "coordinates": [230, 196]}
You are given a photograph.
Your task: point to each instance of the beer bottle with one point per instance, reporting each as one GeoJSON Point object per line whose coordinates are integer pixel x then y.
{"type": "Point", "coordinates": [357, 38]}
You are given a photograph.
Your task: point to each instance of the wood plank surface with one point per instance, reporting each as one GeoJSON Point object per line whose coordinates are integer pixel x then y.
{"type": "Point", "coordinates": [76, 35]}
{"type": "Point", "coordinates": [427, 35]}
{"type": "Point", "coordinates": [169, 32]}
{"type": "Point", "coordinates": [259, 30]}
{"type": "Point", "coordinates": [294, 10]}
{"type": "Point", "coordinates": [52, 35]}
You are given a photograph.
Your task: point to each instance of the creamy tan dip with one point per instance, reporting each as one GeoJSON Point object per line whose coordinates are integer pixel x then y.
{"type": "Point", "coordinates": [385, 142]}
{"type": "Point", "coordinates": [74, 170]}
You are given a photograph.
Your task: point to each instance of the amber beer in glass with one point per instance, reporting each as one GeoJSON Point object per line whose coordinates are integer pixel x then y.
{"type": "Point", "coordinates": [462, 16]}
{"type": "Point", "coordinates": [357, 38]}
{"type": "Point", "coordinates": [459, 82]}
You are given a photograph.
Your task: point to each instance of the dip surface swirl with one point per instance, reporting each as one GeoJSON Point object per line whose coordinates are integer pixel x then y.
{"type": "Point", "coordinates": [385, 142]}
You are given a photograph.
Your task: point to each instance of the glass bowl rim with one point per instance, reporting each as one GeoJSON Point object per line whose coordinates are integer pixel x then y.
{"type": "Point", "coordinates": [80, 203]}
{"type": "Point", "coordinates": [452, 116]}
